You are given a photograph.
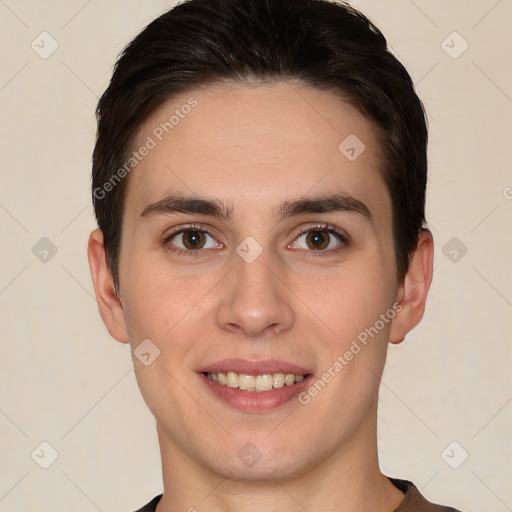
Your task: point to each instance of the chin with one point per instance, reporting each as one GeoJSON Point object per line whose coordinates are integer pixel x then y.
{"type": "Point", "coordinates": [259, 461]}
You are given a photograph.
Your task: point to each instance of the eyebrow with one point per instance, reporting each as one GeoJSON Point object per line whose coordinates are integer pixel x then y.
{"type": "Point", "coordinates": [181, 203]}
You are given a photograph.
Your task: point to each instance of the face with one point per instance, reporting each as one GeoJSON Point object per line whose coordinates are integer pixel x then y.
{"type": "Point", "coordinates": [254, 244]}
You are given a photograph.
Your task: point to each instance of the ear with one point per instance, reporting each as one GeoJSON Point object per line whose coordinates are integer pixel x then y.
{"type": "Point", "coordinates": [111, 309]}
{"type": "Point", "coordinates": [413, 291]}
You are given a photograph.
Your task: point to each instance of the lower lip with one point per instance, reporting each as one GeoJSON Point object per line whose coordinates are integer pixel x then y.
{"type": "Point", "coordinates": [253, 400]}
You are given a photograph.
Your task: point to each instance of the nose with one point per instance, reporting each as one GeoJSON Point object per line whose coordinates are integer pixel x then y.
{"type": "Point", "coordinates": [255, 300]}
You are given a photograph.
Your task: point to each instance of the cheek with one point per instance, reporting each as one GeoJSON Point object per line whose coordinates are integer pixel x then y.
{"type": "Point", "coordinates": [150, 298]}
{"type": "Point", "coordinates": [159, 303]}
{"type": "Point", "coordinates": [358, 310]}
{"type": "Point", "coordinates": [350, 298]}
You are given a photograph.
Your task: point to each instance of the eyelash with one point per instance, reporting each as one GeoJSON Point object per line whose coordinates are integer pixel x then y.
{"type": "Point", "coordinates": [332, 230]}
{"type": "Point", "coordinates": [184, 229]}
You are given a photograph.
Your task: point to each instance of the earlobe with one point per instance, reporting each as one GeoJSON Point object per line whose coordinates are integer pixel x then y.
{"type": "Point", "coordinates": [413, 291]}
{"type": "Point", "coordinates": [109, 304]}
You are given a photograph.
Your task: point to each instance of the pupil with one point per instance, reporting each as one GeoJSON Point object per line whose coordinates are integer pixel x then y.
{"type": "Point", "coordinates": [318, 239]}
{"type": "Point", "coordinates": [193, 239]}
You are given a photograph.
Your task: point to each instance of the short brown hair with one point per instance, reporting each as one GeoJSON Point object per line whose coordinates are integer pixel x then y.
{"type": "Point", "coordinates": [327, 45]}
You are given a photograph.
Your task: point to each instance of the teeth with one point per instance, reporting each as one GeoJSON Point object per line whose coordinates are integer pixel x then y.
{"type": "Point", "coordinates": [264, 382]}
{"type": "Point", "coordinates": [246, 381]}
{"type": "Point", "coordinates": [278, 380]}
{"type": "Point", "coordinates": [232, 379]}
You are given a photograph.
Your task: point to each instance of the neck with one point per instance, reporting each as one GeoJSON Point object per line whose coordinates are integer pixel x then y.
{"type": "Point", "coordinates": [348, 479]}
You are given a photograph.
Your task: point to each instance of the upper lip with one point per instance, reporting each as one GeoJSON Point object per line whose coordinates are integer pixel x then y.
{"type": "Point", "coordinates": [249, 367]}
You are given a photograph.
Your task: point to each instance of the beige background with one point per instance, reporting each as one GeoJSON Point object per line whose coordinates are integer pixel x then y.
{"type": "Point", "coordinates": [65, 382]}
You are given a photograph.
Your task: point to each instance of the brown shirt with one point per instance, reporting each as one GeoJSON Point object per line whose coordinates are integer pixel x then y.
{"type": "Point", "coordinates": [413, 500]}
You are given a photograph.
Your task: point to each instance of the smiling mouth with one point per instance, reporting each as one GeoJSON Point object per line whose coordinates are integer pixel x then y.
{"type": "Point", "coordinates": [254, 383]}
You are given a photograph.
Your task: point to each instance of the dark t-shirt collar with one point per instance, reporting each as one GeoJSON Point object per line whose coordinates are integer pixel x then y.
{"type": "Point", "coordinates": [413, 500]}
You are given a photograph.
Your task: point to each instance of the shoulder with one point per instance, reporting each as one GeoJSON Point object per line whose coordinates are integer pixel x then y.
{"type": "Point", "coordinates": [414, 501]}
{"type": "Point", "coordinates": [151, 506]}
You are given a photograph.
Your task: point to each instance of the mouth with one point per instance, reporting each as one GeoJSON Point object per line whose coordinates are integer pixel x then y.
{"type": "Point", "coordinates": [254, 383]}
{"type": "Point", "coordinates": [254, 386]}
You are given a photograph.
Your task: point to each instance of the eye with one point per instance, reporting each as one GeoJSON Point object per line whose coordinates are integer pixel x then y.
{"type": "Point", "coordinates": [323, 238]}
{"type": "Point", "coordinates": [190, 240]}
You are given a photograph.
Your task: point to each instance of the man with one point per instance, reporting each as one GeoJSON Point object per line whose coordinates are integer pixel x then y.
{"type": "Point", "coordinates": [259, 183]}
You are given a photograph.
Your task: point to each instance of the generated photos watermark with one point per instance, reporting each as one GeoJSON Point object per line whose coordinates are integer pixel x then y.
{"type": "Point", "coordinates": [152, 141]}
{"type": "Point", "coordinates": [355, 348]}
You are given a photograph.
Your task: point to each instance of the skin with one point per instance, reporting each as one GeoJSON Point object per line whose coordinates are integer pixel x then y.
{"type": "Point", "coordinates": [255, 147]}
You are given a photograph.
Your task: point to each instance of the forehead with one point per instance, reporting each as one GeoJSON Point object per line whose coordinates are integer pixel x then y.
{"type": "Point", "coordinates": [256, 146]}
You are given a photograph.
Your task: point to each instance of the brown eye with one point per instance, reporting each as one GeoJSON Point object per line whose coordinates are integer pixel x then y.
{"type": "Point", "coordinates": [317, 240]}
{"type": "Point", "coordinates": [193, 239]}
{"type": "Point", "coordinates": [321, 239]}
